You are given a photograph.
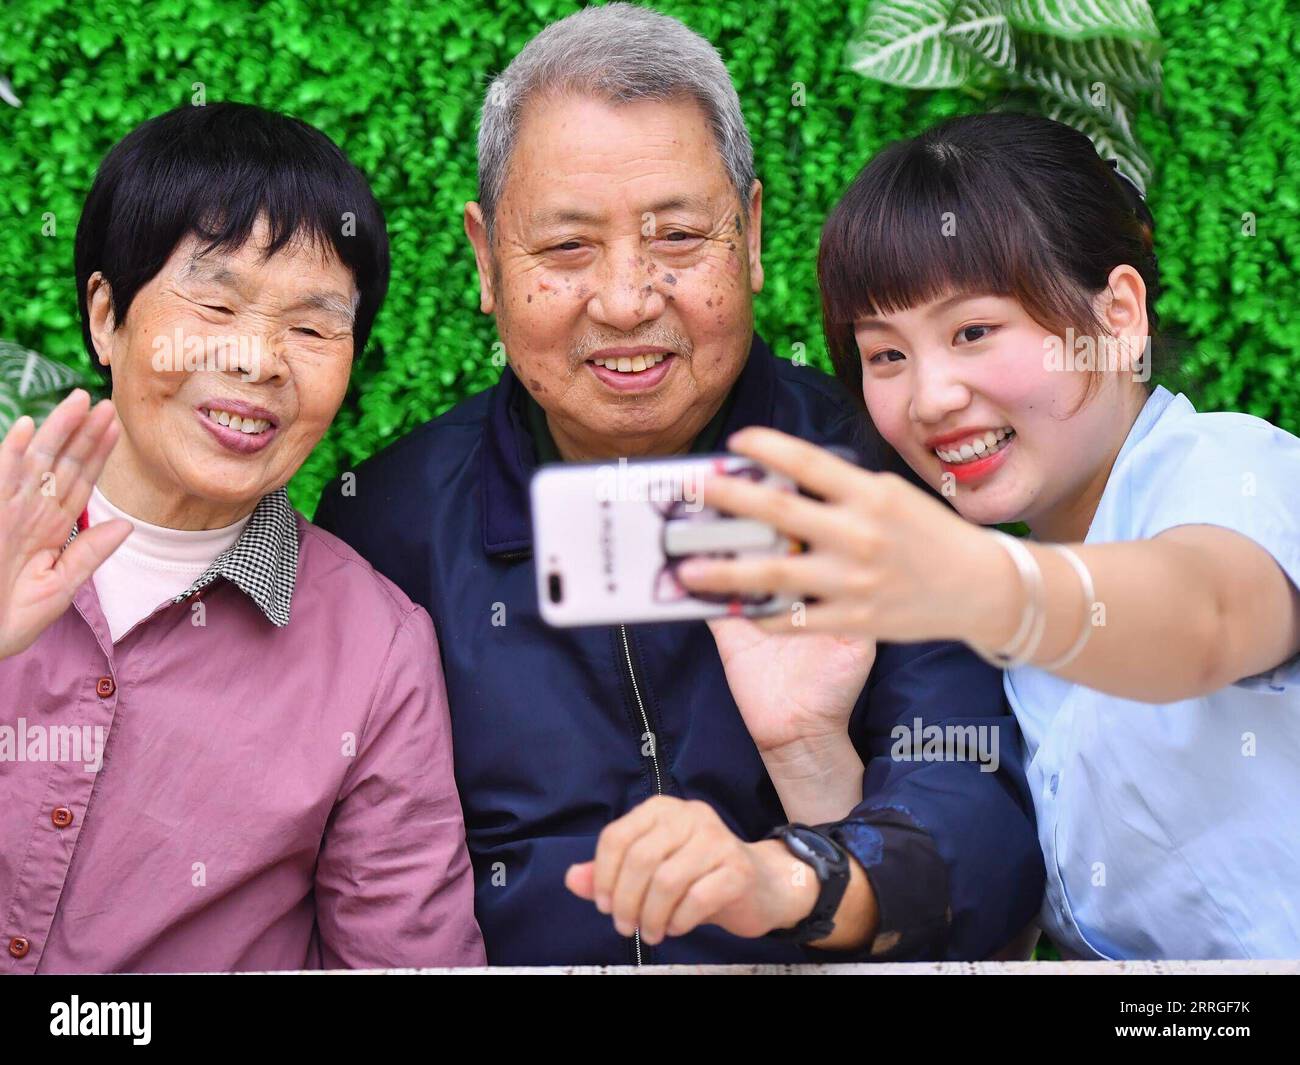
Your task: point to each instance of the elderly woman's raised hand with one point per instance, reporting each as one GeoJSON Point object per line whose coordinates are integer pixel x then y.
{"type": "Point", "coordinates": [46, 476]}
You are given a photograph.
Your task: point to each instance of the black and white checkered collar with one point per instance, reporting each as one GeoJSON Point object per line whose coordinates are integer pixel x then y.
{"type": "Point", "coordinates": [262, 563]}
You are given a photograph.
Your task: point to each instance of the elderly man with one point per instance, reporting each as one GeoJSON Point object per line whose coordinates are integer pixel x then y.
{"type": "Point", "coordinates": [206, 763]}
{"type": "Point", "coordinates": [617, 237]}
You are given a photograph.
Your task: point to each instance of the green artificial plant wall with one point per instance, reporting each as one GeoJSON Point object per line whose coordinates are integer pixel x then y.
{"type": "Point", "coordinates": [398, 87]}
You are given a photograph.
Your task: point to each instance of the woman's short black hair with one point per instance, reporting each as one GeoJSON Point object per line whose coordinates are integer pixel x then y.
{"type": "Point", "coordinates": [212, 171]}
{"type": "Point", "coordinates": [1008, 204]}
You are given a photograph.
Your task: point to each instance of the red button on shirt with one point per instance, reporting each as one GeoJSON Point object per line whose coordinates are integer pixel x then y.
{"type": "Point", "coordinates": [105, 687]}
{"type": "Point", "coordinates": [18, 947]}
{"type": "Point", "coordinates": [61, 816]}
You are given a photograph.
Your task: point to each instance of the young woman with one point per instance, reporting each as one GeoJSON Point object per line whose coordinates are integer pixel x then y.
{"type": "Point", "coordinates": [988, 288]}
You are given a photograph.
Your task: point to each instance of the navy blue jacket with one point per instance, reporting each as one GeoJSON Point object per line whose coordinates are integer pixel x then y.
{"type": "Point", "coordinates": [548, 723]}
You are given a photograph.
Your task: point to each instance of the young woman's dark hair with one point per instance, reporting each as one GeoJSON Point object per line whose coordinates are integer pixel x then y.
{"type": "Point", "coordinates": [1007, 204]}
{"type": "Point", "coordinates": [212, 171]}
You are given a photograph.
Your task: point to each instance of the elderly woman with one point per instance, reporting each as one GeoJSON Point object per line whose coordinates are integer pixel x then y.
{"type": "Point", "coordinates": [232, 752]}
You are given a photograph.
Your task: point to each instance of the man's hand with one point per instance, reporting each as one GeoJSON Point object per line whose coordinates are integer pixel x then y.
{"type": "Point", "coordinates": [46, 476]}
{"type": "Point", "coordinates": [672, 865]}
{"type": "Point", "coordinates": [792, 688]}
{"type": "Point", "coordinates": [796, 693]}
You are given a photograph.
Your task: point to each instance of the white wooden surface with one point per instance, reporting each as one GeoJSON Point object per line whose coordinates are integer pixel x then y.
{"type": "Point", "coordinates": [1035, 968]}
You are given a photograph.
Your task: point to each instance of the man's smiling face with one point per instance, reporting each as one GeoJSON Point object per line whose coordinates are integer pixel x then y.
{"type": "Point", "coordinates": [621, 271]}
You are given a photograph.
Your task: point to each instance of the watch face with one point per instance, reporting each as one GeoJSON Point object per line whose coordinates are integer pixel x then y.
{"type": "Point", "coordinates": [817, 845]}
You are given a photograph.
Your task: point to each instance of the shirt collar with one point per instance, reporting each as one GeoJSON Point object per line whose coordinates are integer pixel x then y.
{"type": "Point", "coordinates": [262, 563]}
{"type": "Point", "coordinates": [1160, 401]}
{"type": "Point", "coordinates": [511, 449]}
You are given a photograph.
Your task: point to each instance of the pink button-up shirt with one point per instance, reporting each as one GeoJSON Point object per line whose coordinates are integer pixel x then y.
{"type": "Point", "coordinates": [227, 788]}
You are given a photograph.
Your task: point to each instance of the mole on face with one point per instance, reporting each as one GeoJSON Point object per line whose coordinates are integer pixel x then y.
{"type": "Point", "coordinates": [535, 385]}
{"type": "Point", "coordinates": [670, 279]}
{"type": "Point", "coordinates": [738, 223]}
{"type": "Point", "coordinates": [530, 297]}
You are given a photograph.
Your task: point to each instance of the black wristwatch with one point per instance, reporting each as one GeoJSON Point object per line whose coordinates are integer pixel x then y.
{"type": "Point", "coordinates": [832, 867]}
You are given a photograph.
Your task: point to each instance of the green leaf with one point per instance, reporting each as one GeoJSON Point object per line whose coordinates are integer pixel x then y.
{"type": "Point", "coordinates": [30, 384]}
{"type": "Point", "coordinates": [1046, 61]}
{"type": "Point", "coordinates": [904, 42]}
{"type": "Point", "coordinates": [93, 38]}
{"type": "Point", "coordinates": [981, 27]}
{"type": "Point", "coordinates": [1082, 19]}
{"type": "Point", "coordinates": [1110, 135]}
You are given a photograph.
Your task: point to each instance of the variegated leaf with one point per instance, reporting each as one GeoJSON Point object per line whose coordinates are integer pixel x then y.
{"type": "Point", "coordinates": [1130, 65]}
{"type": "Point", "coordinates": [903, 42]}
{"type": "Point", "coordinates": [1083, 19]}
{"type": "Point", "coordinates": [1108, 132]}
{"type": "Point", "coordinates": [30, 384]}
{"type": "Point", "coordinates": [981, 27]}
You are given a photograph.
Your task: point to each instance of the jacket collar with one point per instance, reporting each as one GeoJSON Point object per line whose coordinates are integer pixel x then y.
{"type": "Point", "coordinates": [262, 563]}
{"type": "Point", "coordinates": [509, 455]}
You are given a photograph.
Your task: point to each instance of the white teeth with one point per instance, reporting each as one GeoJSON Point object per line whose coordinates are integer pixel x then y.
{"type": "Point", "coordinates": [979, 447]}
{"type": "Point", "coordinates": [247, 426]}
{"type": "Point", "coordinates": [635, 364]}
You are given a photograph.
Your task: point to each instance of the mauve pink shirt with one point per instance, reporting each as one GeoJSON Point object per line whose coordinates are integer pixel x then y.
{"type": "Point", "coordinates": [270, 796]}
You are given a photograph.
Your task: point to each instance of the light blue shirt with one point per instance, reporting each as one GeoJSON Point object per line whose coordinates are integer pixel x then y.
{"type": "Point", "coordinates": [1173, 831]}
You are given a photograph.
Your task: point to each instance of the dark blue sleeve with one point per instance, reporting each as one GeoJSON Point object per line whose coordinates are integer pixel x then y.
{"type": "Point", "coordinates": [945, 830]}
{"type": "Point", "coordinates": [325, 516]}
{"type": "Point", "coordinates": [372, 522]}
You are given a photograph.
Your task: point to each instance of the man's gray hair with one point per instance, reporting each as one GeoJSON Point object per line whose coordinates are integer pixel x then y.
{"type": "Point", "coordinates": [619, 53]}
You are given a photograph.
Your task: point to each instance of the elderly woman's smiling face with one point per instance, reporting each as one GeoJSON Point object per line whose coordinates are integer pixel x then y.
{"type": "Point", "coordinates": [621, 271]}
{"type": "Point", "coordinates": [227, 371]}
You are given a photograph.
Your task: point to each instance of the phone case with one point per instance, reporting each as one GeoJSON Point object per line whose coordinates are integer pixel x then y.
{"type": "Point", "coordinates": [608, 538]}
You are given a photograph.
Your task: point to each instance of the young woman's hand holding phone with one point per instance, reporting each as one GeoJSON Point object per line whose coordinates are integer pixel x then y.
{"type": "Point", "coordinates": [885, 559]}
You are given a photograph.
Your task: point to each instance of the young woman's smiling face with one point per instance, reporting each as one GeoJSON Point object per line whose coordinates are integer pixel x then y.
{"type": "Point", "coordinates": [963, 387]}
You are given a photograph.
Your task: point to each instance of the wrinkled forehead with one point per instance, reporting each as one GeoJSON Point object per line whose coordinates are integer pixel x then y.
{"type": "Point", "coordinates": [302, 268]}
{"type": "Point", "coordinates": [577, 155]}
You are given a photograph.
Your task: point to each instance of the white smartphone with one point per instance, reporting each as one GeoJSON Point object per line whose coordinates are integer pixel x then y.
{"type": "Point", "coordinates": [608, 538]}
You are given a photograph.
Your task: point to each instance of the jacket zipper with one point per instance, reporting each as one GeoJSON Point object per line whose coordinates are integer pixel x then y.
{"type": "Point", "coordinates": [654, 743]}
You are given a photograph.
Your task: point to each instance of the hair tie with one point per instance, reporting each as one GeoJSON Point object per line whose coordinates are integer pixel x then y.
{"type": "Point", "coordinates": [1138, 205]}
